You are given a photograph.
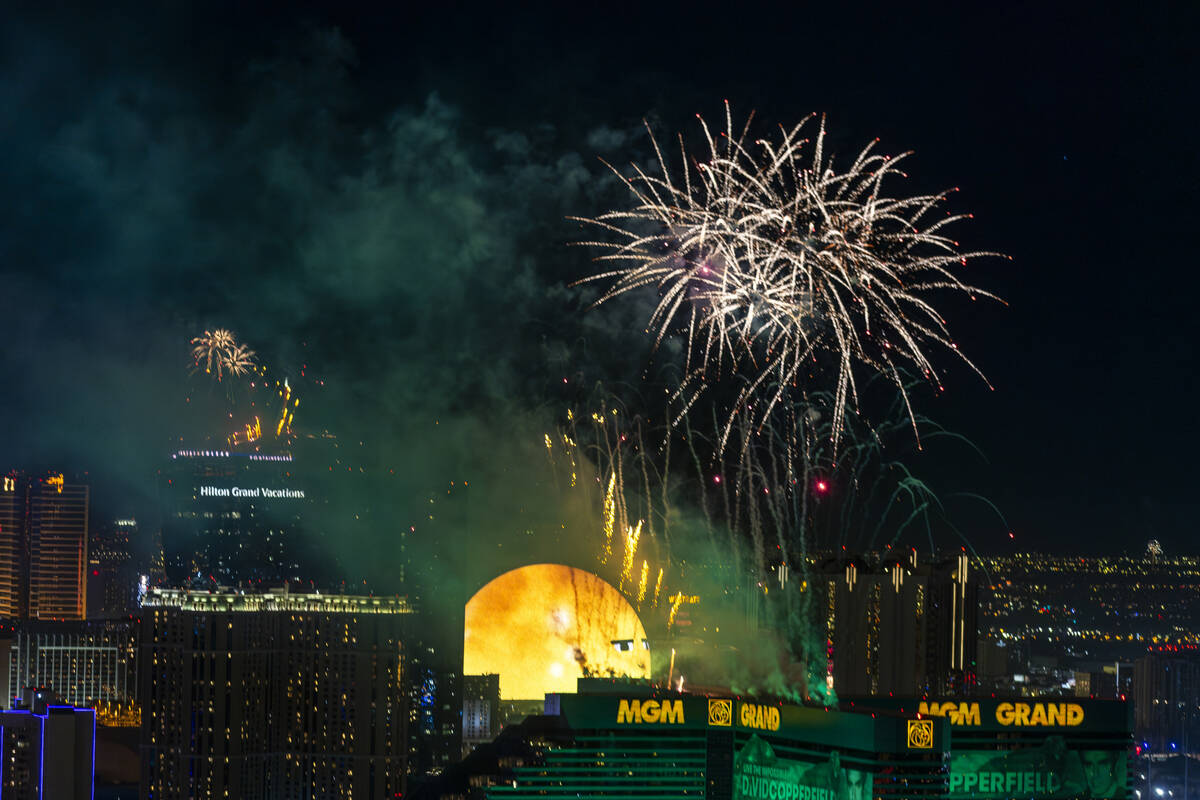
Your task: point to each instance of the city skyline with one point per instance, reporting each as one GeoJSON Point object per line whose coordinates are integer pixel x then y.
{"type": "Point", "coordinates": [477, 401]}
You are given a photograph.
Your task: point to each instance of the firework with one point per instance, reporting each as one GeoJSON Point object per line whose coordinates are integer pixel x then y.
{"type": "Point", "coordinates": [210, 347]}
{"type": "Point", "coordinates": [217, 352]}
{"type": "Point", "coordinates": [238, 360]}
{"type": "Point", "coordinates": [769, 260]}
{"type": "Point", "coordinates": [610, 511]}
{"type": "Point", "coordinates": [632, 535]}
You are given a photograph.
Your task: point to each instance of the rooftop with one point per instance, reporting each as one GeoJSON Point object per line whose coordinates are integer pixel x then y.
{"type": "Point", "coordinates": [273, 600]}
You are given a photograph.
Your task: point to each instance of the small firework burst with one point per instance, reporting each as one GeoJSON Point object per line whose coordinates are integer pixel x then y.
{"type": "Point", "coordinates": [217, 353]}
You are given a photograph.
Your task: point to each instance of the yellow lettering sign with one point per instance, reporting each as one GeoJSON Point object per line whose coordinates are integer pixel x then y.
{"type": "Point", "coordinates": [638, 712]}
{"type": "Point", "coordinates": [765, 718]}
{"type": "Point", "coordinates": [958, 713]}
{"type": "Point", "coordinates": [1039, 714]}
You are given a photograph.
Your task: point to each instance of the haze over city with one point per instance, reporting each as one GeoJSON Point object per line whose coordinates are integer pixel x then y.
{"type": "Point", "coordinates": [430, 401]}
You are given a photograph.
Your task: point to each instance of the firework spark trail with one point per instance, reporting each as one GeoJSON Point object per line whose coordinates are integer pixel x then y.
{"type": "Point", "coordinates": [632, 535]}
{"type": "Point", "coordinates": [610, 508]}
{"type": "Point", "coordinates": [632, 484]}
{"type": "Point", "coordinates": [770, 259]}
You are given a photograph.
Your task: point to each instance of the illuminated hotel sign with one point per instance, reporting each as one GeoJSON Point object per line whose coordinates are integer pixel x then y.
{"type": "Point", "coordinates": [640, 712]}
{"type": "Point", "coordinates": [750, 715]}
{"type": "Point", "coordinates": [763, 718]}
{"type": "Point", "coordinates": [261, 491]}
{"type": "Point", "coordinates": [1033, 715]}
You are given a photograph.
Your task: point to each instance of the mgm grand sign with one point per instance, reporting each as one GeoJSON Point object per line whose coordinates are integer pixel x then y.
{"type": "Point", "coordinates": [1038, 748]}
{"type": "Point", "coordinates": [1006, 714]}
{"type": "Point", "coordinates": [650, 712]}
{"type": "Point", "coordinates": [755, 716]}
{"type": "Point", "coordinates": [1018, 714]}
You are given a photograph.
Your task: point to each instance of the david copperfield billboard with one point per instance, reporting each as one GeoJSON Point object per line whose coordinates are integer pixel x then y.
{"type": "Point", "coordinates": [1051, 770]}
{"type": "Point", "coordinates": [759, 774]}
{"type": "Point", "coordinates": [1030, 747]}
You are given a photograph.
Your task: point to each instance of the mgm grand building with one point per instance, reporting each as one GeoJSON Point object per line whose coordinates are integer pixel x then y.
{"type": "Point", "coordinates": [673, 745]}
{"type": "Point", "coordinates": [644, 746]}
{"type": "Point", "coordinates": [1052, 747]}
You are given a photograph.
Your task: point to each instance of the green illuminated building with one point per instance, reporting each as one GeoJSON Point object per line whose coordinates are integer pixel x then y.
{"type": "Point", "coordinates": [671, 746]}
{"type": "Point", "coordinates": [626, 741]}
{"type": "Point", "coordinates": [1029, 747]}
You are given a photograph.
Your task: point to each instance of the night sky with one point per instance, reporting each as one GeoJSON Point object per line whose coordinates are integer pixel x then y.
{"type": "Point", "coordinates": [384, 196]}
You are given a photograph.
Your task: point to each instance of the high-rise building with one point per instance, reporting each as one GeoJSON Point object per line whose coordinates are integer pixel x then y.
{"type": "Point", "coordinates": [43, 547]}
{"type": "Point", "coordinates": [273, 695]}
{"type": "Point", "coordinates": [47, 750]}
{"type": "Point", "coordinates": [236, 518]}
{"type": "Point", "coordinates": [645, 744]}
{"type": "Point", "coordinates": [481, 710]}
{"type": "Point", "coordinates": [58, 535]}
{"type": "Point", "coordinates": [1166, 707]}
{"type": "Point", "coordinates": [13, 545]}
{"type": "Point", "coordinates": [435, 707]}
{"type": "Point", "coordinates": [899, 626]}
{"type": "Point", "coordinates": [112, 573]}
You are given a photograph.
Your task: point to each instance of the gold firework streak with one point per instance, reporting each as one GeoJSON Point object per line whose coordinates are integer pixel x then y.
{"type": "Point", "coordinates": [642, 583]}
{"type": "Point", "coordinates": [610, 513]}
{"type": "Point", "coordinates": [631, 542]}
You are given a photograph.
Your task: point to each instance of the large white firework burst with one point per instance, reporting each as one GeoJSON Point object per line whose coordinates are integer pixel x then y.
{"type": "Point", "coordinates": [772, 262]}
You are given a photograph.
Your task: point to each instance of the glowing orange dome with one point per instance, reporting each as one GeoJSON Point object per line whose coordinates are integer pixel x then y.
{"type": "Point", "coordinates": [541, 626]}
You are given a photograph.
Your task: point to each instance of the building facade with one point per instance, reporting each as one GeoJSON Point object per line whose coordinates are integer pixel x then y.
{"type": "Point", "coordinates": [47, 751]}
{"type": "Point", "coordinates": [273, 695]}
{"type": "Point", "coordinates": [14, 513]}
{"type": "Point", "coordinates": [899, 626]}
{"type": "Point", "coordinates": [1040, 748]}
{"type": "Point", "coordinates": [481, 710]}
{"type": "Point", "coordinates": [649, 744]}
{"type": "Point", "coordinates": [236, 519]}
{"type": "Point", "coordinates": [112, 571]}
{"type": "Point", "coordinates": [92, 663]}
{"type": "Point", "coordinates": [433, 682]}
{"type": "Point", "coordinates": [43, 547]}
{"type": "Point", "coordinates": [1166, 694]}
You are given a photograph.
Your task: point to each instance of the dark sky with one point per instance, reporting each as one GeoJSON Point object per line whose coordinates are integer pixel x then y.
{"type": "Point", "coordinates": [385, 193]}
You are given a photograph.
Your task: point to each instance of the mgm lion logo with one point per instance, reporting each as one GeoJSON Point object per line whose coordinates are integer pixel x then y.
{"type": "Point", "coordinates": [720, 712]}
{"type": "Point", "coordinates": [920, 734]}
